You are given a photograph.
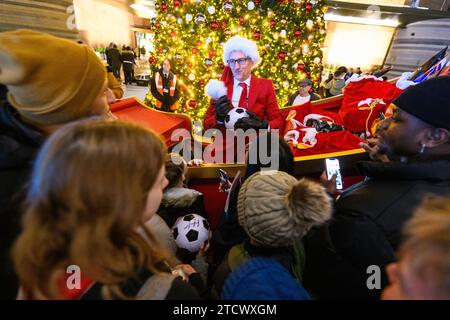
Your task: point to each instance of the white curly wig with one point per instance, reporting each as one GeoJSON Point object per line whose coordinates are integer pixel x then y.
{"type": "Point", "coordinates": [238, 43]}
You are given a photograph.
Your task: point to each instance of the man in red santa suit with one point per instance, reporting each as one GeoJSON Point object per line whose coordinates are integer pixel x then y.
{"type": "Point", "coordinates": [244, 90]}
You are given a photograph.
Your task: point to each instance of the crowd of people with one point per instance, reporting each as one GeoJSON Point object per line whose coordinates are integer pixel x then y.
{"type": "Point", "coordinates": [81, 188]}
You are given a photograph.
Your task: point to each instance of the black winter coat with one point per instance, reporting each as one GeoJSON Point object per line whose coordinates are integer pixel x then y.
{"type": "Point", "coordinates": [367, 227]}
{"type": "Point", "coordinates": [18, 146]}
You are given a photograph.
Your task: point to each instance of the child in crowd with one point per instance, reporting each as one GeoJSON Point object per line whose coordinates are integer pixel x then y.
{"type": "Point", "coordinates": [276, 211]}
{"type": "Point", "coordinates": [178, 200]}
{"type": "Point", "coordinates": [228, 232]}
{"type": "Point", "coordinates": [91, 193]}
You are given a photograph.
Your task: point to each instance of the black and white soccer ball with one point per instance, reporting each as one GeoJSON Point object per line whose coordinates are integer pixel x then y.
{"type": "Point", "coordinates": [190, 232]}
{"type": "Point", "coordinates": [233, 116]}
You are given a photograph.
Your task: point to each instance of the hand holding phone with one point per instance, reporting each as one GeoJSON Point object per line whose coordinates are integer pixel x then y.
{"type": "Point", "coordinates": [332, 166]}
{"type": "Point", "coordinates": [225, 184]}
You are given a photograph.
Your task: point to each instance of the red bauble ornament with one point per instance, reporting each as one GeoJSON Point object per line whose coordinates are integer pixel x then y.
{"type": "Point", "coordinates": [157, 25]}
{"type": "Point", "coordinates": [273, 23]}
{"type": "Point", "coordinates": [176, 3]}
{"type": "Point", "coordinates": [222, 66]}
{"type": "Point", "coordinates": [224, 25]}
{"type": "Point", "coordinates": [282, 55]}
{"type": "Point", "coordinates": [297, 33]}
{"type": "Point", "coordinates": [152, 60]}
{"type": "Point", "coordinates": [256, 35]}
{"type": "Point", "coordinates": [241, 21]}
{"type": "Point", "coordinates": [308, 74]}
{"type": "Point", "coordinates": [308, 7]}
{"type": "Point", "coordinates": [184, 106]}
{"type": "Point", "coordinates": [301, 67]}
{"type": "Point", "coordinates": [194, 50]}
{"type": "Point", "coordinates": [214, 25]}
{"type": "Point", "coordinates": [189, 64]}
{"type": "Point", "coordinates": [201, 82]}
{"type": "Point", "coordinates": [186, 1]}
{"type": "Point", "coordinates": [173, 34]}
{"type": "Point", "coordinates": [258, 1]}
{"type": "Point", "coordinates": [211, 53]}
{"type": "Point", "coordinates": [192, 103]}
{"type": "Point", "coordinates": [160, 50]}
{"type": "Point", "coordinates": [163, 6]}
{"type": "Point", "coordinates": [199, 43]}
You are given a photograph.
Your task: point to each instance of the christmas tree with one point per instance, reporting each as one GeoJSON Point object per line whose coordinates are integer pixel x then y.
{"type": "Point", "coordinates": [191, 33]}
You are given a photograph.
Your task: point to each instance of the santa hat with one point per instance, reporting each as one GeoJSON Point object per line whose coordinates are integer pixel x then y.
{"type": "Point", "coordinates": [238, 43]}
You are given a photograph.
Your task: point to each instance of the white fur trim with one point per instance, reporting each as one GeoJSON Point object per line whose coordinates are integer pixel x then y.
{"type": "Point", "coordinates": [292, 136]}
{"type": "Point", "coordinates": [215, 89]}
{"type": "Point", "coordinates": [368, 101]}
{"type": "Point", "coordinates": [351, 79]}
{"type": "Point", "coordinates": [238, 43]}
{"type": "Point", "coordinates": [404, 81]}
{"type": "Point", "coordinates": [296, 123]}
{"type": "Point", "coordinates": [310, 136]}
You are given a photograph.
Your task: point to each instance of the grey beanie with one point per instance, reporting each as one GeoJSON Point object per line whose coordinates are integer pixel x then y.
{"type": "Point", "coordinates": [277, 209]}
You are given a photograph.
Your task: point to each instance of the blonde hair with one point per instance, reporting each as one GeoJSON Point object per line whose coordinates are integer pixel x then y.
{"type": "Point", "coordinates": [85, 203]}
{"type": "Point", "coordinates": [427, 244]}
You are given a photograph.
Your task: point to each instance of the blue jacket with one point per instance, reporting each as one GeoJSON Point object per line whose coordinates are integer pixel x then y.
{"type": "Point", "coordinates": [263, 279]}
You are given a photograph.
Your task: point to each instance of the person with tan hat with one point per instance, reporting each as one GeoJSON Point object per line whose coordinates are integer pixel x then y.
{"type": "Point", "coordinates": [44, 93]}
{"type": "Point", "coordinates": [276, 211]}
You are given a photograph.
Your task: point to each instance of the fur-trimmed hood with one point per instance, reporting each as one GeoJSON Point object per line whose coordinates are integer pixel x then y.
{"type": "Point", "coordinates": [180, 197]}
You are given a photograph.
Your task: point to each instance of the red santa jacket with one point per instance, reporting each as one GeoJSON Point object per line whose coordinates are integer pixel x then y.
{"type": "Point", "coordinates": [261, 101]}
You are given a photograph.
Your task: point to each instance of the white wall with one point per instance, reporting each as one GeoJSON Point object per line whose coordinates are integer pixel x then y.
{"type": "Point", "coordinates": [356, 45]}
{"type": "Point", "coordinates": [101, 23]}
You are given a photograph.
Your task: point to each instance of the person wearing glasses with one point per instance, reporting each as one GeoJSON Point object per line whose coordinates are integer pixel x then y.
{"type": "Point", "coordinates": [244, 90]}
{"type": "Point", "coordinates": [303, 95]}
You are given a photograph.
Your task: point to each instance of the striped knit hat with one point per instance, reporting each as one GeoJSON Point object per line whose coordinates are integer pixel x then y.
{"type": "Point", "coordinates": [275, 209]}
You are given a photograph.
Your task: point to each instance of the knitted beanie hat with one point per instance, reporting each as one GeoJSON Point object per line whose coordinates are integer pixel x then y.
{"type": "Point", "coordinates": [429, 101]}
{"type": "Point", "coordinates": [50, 80]}
{"type": "Point", "coordinates": [275, 210]}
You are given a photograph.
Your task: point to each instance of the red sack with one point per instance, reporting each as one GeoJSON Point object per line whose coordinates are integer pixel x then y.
{"type": "Point", "coordinates": [364, 100]}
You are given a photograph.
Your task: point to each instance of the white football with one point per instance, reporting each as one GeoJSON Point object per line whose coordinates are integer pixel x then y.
{"type": "Point", "coordinates": [233, 116]}
{"type": "Point", "coordinates": [190, 232]}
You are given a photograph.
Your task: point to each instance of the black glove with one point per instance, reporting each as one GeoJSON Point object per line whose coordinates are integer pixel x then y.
{"type": "Point", "coordinates": [222, 107]}
{"type": "Point", "coordinates": [251, 122]}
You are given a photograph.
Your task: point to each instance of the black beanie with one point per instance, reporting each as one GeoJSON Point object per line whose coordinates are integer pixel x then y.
{"type": "Point", "coordinates": [428, 101]}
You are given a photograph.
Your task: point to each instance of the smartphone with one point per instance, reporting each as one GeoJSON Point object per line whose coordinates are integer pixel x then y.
{"type": "Point", "coordinates": [333, 167]}
{"type": "Point", "coordinates": [223, 177]}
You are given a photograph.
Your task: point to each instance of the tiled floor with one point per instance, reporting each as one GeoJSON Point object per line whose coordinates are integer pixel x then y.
{"type": "Point", "coordinates": [135, 91]}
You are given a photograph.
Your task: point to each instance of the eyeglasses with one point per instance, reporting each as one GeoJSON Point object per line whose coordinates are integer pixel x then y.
{"type": "Point", "coordinates": [241, 61]}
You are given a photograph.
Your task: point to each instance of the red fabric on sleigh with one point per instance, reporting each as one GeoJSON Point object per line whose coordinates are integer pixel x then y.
{"type": "Point", "coordinates": [326, 142]}
{"type": "Point", "coordinates": [363, 102]}
{"type": "Point", "coordinates": [330, 142]}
